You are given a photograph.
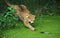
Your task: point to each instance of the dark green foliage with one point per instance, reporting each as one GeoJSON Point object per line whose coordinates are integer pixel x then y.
{"type": "Point", "coordinates": [47, 6]}
{"type": "Point", "coordinates": [8, 19]}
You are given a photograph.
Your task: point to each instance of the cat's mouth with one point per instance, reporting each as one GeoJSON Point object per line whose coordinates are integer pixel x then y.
{"type": "Point", "coordinates": [31, 22]}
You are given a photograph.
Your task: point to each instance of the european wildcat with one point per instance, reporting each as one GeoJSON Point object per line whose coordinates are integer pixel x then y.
{"type": "Point", "coordinates": [23, 13]}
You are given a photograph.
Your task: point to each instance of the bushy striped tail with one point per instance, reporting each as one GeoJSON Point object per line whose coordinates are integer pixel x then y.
{"type": "Point", "coordinates": [7, 2]}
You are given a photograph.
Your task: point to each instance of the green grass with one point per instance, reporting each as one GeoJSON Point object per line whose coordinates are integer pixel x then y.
{"type": "Point", "coordinates": [43, 23]}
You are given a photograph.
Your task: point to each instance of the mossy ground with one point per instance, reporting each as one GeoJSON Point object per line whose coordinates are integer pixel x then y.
{"type": "Point", "coordinates": [43, 23]}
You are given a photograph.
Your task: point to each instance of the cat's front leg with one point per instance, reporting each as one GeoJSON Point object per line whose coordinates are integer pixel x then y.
{"type": "Point", "coordinates": [28, 25]}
